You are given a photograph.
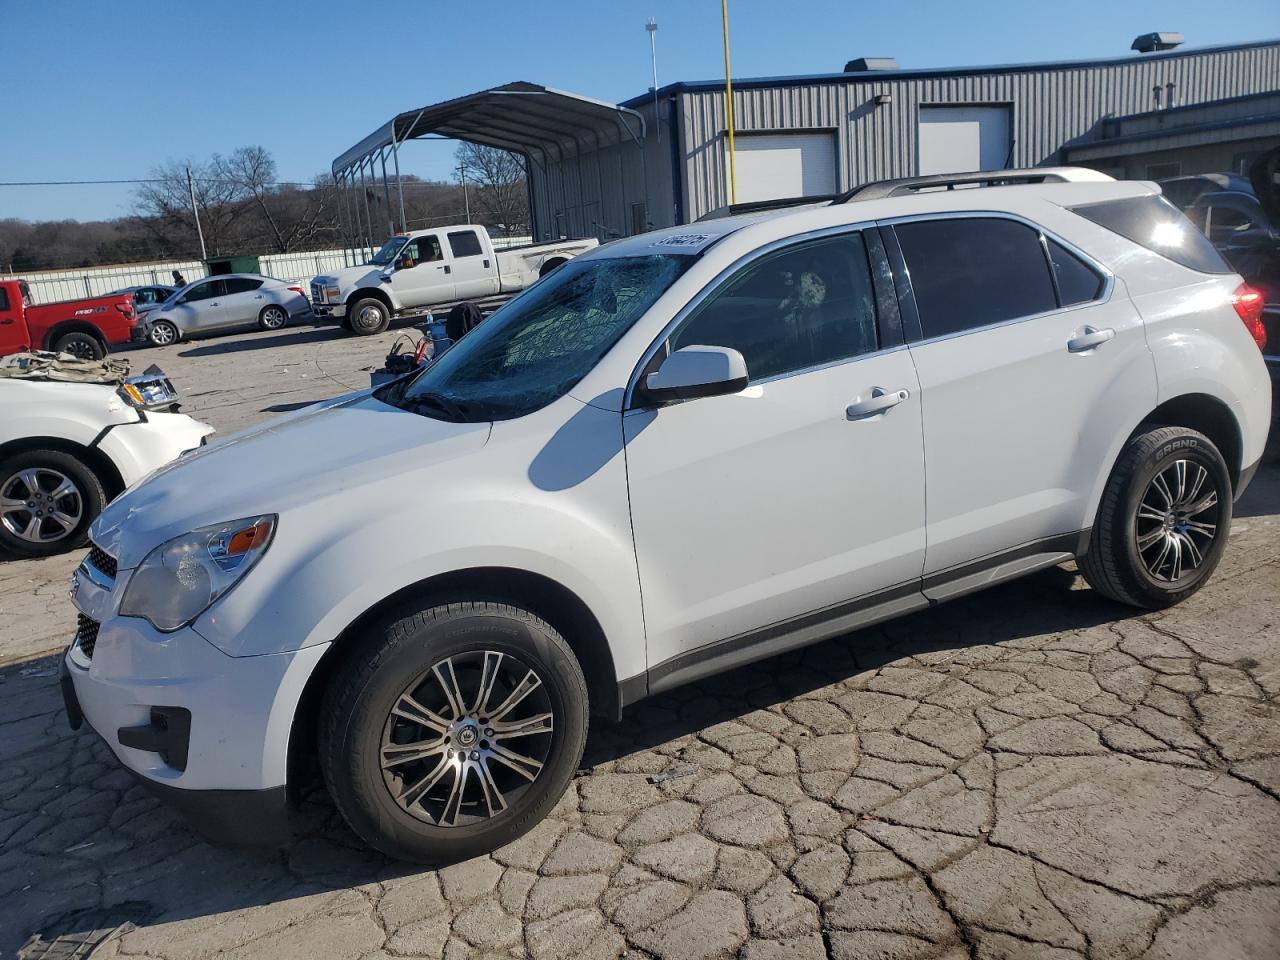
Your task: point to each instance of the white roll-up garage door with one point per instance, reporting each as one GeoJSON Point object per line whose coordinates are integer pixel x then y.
{"type": "Point", "coordinates": [776, 166]}
{"type": "Point", "coordinates": [961, 138]}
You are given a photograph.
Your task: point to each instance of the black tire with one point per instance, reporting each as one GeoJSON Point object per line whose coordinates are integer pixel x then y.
{"type": "Point", "coordinates": [16, 535]}
{"type": "Point", "coordinates": [1116, 565]}
{"type": "Point", "coordinates": [273, 317]}
{"type": "Point", "coordinates": [553, 264]}
{"type": "Point", "coordinates": [368, 317]}
{"type": "Point", "coordinates": [84, 346]}
{"type": "Point", "coordinates": [163, 334]}
{"type": "Point", "coordinates": [396, 657]}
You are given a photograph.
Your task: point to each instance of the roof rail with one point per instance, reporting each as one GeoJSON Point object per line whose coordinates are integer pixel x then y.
{"type": "Point", "coordinates": [880, 189]}
{"type": "Point", "coordinates": [761, 206]}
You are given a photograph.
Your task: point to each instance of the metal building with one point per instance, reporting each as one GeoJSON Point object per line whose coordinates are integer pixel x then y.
{"type": "Point", "coordinates": [661, 158]}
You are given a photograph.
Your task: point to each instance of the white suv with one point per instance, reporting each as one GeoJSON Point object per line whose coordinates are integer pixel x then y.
{"type": "Point", "coordinates": [678, 453]}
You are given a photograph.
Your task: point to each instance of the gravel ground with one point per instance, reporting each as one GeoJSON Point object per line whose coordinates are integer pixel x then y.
{"type": "Point", "coordinates": [1031, 772]}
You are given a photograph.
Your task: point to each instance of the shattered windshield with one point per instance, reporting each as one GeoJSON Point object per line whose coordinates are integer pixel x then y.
{"type": "Point", "coordinates": [539, 345]}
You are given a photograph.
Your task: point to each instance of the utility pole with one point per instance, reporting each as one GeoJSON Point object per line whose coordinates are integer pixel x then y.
{"type": "Point", "coordinates": [728, 101]}
{"type": "Point", "coordinates": [466, 197]}
{"type": "Point", "coordinates": [652, 28]}
{"type": "Point", "coordinates": [195, 212]}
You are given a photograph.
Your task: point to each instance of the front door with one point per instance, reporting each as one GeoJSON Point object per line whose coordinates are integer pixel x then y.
{"type": "Point", "coordinates": [474, 272]}
{"type": "Point", "coordinates": [422, 274]}
{"type": "Point", "coordinates": [1025, 354]}
{"type": "Point", "coordinates": [200, 308]}
{"type": "Point", "coordinates": [788, 507]}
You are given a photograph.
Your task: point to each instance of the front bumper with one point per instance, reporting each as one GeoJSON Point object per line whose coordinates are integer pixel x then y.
{"type": "Point", "coordinates": [207, 731]}
{"type": "Point", "coordinates": [338, 310]}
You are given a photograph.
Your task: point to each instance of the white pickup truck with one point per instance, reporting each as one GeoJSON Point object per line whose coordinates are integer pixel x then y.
{"type": "Point", "coordinates": [428, 268]}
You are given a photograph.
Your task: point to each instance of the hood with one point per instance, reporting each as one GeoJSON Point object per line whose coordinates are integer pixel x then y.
{"type": "Point", "coordinates": [365, 275]}
{"type": "Point", "coordinates": [315, 453]}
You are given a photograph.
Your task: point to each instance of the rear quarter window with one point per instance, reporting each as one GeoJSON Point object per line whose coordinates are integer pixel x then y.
{"type": "Point", "coordinates": [1156, 224]}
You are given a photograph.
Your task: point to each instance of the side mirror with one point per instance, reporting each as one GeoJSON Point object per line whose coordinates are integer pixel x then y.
{"type": "Point", "coordinates": [697, 371]}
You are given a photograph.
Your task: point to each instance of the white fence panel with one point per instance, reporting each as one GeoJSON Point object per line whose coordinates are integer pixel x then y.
{"type": "Point", "coordinates": [50, 286]}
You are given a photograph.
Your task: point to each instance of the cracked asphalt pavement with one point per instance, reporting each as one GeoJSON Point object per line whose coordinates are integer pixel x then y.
{"type": "Point", "coordinates": [1030, 772]}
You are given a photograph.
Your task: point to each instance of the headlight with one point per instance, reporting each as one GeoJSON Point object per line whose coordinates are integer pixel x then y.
{"type": "Point", "coordinates": [182, 578]}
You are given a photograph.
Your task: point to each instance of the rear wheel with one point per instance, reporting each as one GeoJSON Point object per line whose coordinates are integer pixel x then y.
{"type": "Point", "coordinates": [1164, 519]}
{"type": "Point", "coordinates": [163, 333]}
{"type": "Point", "coordinates": [453, 730]}
{"type": "Point", "coordinates": [48, 498]}
{"type": "Point", "coordinates": [82, 346]}
{"type": "Point", "coordinates": [369, 316]}
{"type": "Point", "coordinates": [272, 317]}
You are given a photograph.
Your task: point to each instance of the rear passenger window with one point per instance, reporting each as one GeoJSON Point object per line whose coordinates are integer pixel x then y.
{"type": "Point", "coordinates": [1077, 281]}
{"type": "Point", "coordinates": [801, 307]}
{"type": "Point", "coordinates": [465, 243]}
{"type": "Point", "coordinates": [969, 273]}
{"type": "Point", "coordinates": [1153, 222]}
{"type": "Point", "coordinates": [4, 299]}
{"type": "Point", "coordinates": [242, 285]}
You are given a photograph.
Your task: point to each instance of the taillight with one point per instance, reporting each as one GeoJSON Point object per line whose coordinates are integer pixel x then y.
{"type": "Point", "coordinates": [1249, 305]}
{"type": "Point", "coordinates": [125, 308]}
{"type": "Point", "coordinates": [298, 290]}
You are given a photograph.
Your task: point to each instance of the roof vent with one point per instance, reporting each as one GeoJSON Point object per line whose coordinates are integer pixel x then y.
{"type": "Point", "coordinates": [1152, 42]}
{"type": "Point", "coordinates": [865, 64]}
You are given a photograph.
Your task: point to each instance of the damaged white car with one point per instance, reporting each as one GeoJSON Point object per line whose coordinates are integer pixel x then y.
{"type": "Point", "coordinates": [73, 435]}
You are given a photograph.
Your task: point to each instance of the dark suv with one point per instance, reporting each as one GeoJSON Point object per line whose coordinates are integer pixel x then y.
{"type": "Point", "coordinates": [1244, 225]}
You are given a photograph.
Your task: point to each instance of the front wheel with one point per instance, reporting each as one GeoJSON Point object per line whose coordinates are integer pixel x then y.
{"type": "Point", "coordinates": [1163, 522]}
{"type": "Point", "coordinates": [452, 730]}
{"type": "Point", "coordinates": [272, 317]}
{"type": "Point", "coordinates": [48, 498]}
{"type": "Point", "coordinates": [82, 346]}
{"type": "Point", "coordinates": [163, 333]}
{"type": "Point", "coordinates": [368, 316]}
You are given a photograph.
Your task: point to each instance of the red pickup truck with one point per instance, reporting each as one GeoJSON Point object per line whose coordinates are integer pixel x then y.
{"type": "Point", "coordinates": [83, 328]}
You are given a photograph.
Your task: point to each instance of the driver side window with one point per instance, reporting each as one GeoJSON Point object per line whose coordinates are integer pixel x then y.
{"type": "Point", "coordinates": [203, 291]}
{"type": "Point", "coordinates": [801, 307]}
{"type": "Point", "coordinates": [422, 250]}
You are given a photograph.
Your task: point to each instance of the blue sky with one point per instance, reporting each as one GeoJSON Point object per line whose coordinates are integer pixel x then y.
{"type": "Point", "coordinates": [110, 89]}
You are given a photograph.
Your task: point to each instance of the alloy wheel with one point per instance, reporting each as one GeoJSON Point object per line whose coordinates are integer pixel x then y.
{"type": "Point", "coordinates": [81, 350]}
{"type": "Point", "coordinates": [465, 740]}
{"type": "Point", "coordinates": [40, 505]}
{"type": "Point", "coordinates": [1177, 521]}
{"type": "Point", "coordinates": [162, 334]}
{"type": "Point", "coordinates": [273, 318]}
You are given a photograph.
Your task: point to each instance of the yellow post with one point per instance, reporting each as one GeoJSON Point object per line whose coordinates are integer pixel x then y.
{"type": "Point", "coordinates": [728, 100]}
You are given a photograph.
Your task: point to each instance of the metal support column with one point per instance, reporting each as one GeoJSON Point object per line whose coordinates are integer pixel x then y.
{"type": "Point", "coordinates": [386, 192]}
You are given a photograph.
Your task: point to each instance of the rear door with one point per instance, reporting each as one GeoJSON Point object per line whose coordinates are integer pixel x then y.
{"type": "Point", "coordinates": [1025, 350]}
{"type": "Point", "coordinates": [242, 301]}
{"type": "Point", "coordinates": [422, 274]}
{"type": "Point", "coordinates": [474, 272]}
{"type": "Point", "coordinates": [13, 328]}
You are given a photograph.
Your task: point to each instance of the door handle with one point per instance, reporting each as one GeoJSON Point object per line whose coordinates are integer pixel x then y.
{"type": "Point", "coordinates": [215, 304]}
{"type": "Point", "coordinates": [4, 320]}
{"type": "Point", "coordinates": [486, 264]}
{"type": "Point", "coordinates": [446, 268]}
{"type": "Point", "coordinates": [879, 401]}
{"type": "Point", "coordinates": [259, 297]}
{"type": "Point", "coordinates": [1090, 338]}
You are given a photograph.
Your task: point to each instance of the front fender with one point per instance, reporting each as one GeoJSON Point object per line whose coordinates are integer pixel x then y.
{"type": "Point", "coordinates": [335, 557]}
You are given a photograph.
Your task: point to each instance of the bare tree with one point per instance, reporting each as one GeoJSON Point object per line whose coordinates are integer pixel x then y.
{"type": "Point", "coordinates": [165, 202]}
{"type": "Point", "coordinates": [501, 195]}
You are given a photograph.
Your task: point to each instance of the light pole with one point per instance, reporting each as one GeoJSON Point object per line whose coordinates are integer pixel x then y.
{"type": "Point", "coordinates": [652, 28]}
{"type": "Point", "coordinates": [195, 212]}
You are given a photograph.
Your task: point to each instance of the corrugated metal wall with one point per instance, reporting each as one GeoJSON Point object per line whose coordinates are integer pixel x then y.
{"type": "Point", "coordinates": [1050, 107]}
{"type": "Point", "coordinates": [587, 194]}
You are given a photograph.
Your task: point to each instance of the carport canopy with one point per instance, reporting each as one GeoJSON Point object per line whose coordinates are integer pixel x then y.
{"type": "Point", "coordinates": [537, 122]}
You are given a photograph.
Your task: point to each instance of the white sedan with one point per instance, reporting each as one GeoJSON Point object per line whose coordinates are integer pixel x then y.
{"type": "Point", "coordinates": [67, 449]}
